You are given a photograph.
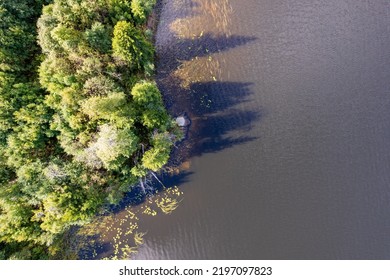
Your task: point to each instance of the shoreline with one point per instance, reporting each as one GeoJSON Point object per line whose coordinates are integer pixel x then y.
{"type": "Point", "coordinates": [168, 85]}
{"type": "Point", "coordinates": [174, 169]}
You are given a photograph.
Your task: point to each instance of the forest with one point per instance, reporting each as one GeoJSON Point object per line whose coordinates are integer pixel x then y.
{"type": "Point", "coordinates": [81, 119]}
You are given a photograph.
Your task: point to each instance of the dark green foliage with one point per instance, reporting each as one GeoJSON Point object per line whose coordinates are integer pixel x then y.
{"type": "Point", "coordinates": [79, 122]}
{"type": "Point", "coordinates": [98, 37]}
{"type": "Point", "coordinates": [18, 36]}
{"type": "Point", "coordinates": [24, 128]}
{"type": "Point", "coordinates": [120, 10]}
{"type": "Point", "coordinates": [23, 251]}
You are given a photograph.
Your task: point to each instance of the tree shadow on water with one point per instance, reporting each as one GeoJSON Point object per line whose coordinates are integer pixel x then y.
{"type": "Point", "coordinates": [170, 57]}
{"type": "Point", "coordinates": [212, 133]}
{"type": "Point", "coordinates": [217, 109]}
{"type": "Point", "coordinates": [211, 97]}
{"type": "Point", "coordinates": [205, 45]}
{"type": "Point", "coordinates": [220, 123]}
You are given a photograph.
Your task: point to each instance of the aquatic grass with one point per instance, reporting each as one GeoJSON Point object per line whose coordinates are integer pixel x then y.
{"type": "Point", "coordinates": [168, 202]}
{"type": "Point", "coordinates": [121, 230]}
{"type": "Point", "coordinates": [139, 238]}
{"type": "Point", "coordinates": [149, 211]}
{"type": "Point", "coordinates": [127, 251]}
{"type": "Point", "coordinates": [167, 205]}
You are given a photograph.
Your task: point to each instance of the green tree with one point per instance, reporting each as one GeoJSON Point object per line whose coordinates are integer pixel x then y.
{"type": "Point", "coordinates": [113, 146]}
{"type": "Point", "coordinates": [120, 10]}
{"type": "Point", "coordinates": [130, 45]}
{"type": "Point", "coordinates": [148, 102]}
{"type": "Point", "coordinates": [79, 125]}
{"type": "Point", "coordinates": [98, 37]}
{"type": "Point", "coordinates": [157, 156]}
{"type": "Point", "coordinates": [141, 9]}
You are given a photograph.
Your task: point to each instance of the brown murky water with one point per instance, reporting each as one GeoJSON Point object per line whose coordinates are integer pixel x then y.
{"type": "Point", "coordinates": [288, 154]}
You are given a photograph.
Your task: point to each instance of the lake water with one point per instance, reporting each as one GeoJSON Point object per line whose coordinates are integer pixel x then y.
{"type": "Point", "coordinates": [288, 153]}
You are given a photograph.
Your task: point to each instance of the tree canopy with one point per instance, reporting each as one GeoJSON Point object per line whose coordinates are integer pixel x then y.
{"type": "Point", "coordinates": [80, 120]}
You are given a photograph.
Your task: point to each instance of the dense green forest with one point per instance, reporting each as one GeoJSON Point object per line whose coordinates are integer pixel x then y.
{"type": "Point", "coordinates": [81, 120]}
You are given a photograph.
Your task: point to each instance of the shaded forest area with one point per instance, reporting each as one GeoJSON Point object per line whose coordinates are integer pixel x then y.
{"type": "Point", "coordinates": [81, 119]}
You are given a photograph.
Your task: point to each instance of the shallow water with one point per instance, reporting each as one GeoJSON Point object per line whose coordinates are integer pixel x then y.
{"type": "Point", "coordinates": [288, 154]}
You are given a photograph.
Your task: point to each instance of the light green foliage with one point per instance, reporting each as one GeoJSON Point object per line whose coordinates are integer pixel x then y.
{"type": "Point", "coordinates": [56, 73]}
{"type": "Point", "coordinates": [139, 171]}
{"type": "Point", "coordinates": [148, 101]}
{"type": "Point", "coordinates": [145, 93]}
{"type": "Point", "coordinates": [112, 147]}
{"type": "Point", "coordinates": [15, 222]}
{"type": "Point", "coordinates": [100, 86]}
{"type": "Point", "coordinates": [67, 38]}
{"type": "Point", "coordinates": [29, 136]}
{"type": "Point", "coordinates": [130, 45]}
{"type": "Point", "coordinates": [141, 9]}
{"type": "Point", "coordinates": [79, 14]}
{"type": "Point", "coordinates": [97, 107]}
{"type": "Point", "coordinates": [46, 24]}
{"type": "Point", "coordinates": [158, 154]}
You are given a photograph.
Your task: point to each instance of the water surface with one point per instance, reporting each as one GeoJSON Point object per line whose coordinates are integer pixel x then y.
{"type": "Point", "coordinates": [289, 148]}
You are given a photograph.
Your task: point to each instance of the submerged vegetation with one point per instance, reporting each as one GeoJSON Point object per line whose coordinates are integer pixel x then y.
{"type": "Point", "coordinates": [81, 121]}
{"type": "Point", "coordinates": [122, 231]}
